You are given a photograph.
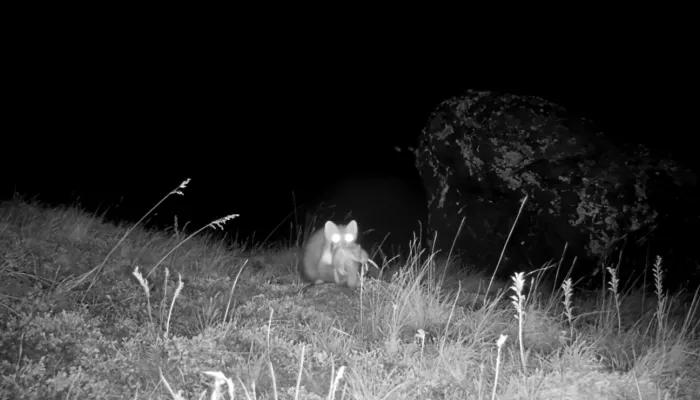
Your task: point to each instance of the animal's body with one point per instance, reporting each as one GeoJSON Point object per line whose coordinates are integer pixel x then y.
{"type": "Point", "coordinates": [327, 256]}
{"type": "Point", "coordinates": [347, 264]}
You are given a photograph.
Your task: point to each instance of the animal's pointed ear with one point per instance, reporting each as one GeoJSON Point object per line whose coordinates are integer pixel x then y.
{"type": "Point", "coordinates": [352, 227]}
{"type": "Point", "coordinates": [330, 229]}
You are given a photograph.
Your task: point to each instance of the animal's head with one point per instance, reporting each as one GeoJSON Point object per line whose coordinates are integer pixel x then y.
{"type": "Point", "coordinates": [341, 235]}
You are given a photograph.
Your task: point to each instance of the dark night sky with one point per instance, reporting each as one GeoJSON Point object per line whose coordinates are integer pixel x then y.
{"type": "Point", "coordinates": [127, 124]}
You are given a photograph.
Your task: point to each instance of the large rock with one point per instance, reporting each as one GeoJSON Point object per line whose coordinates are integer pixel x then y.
{"type": "Point", "coordinates": [480, 154]}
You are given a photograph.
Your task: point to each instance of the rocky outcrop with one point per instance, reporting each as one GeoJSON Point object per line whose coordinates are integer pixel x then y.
{"type": "Point", "coordinates": [481, 153]}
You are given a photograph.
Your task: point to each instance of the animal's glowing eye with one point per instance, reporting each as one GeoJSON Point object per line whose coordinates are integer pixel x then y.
{"type": "Point", "coordinates": [349, 237]}
{"type": "Point", "coordinates": [335, 238]}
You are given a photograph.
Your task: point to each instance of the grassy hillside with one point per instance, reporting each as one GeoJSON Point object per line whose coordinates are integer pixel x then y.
{"type": "Point", "coordinates": [91, 310]}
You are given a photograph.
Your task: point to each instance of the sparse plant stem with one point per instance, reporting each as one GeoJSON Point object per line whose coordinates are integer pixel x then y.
{"type": "Point", "coordinates": [661, 296]}
{"type": "Point", "coordinates": [568, 289]}
{"type": "Point", "coordinates": [421, 336]}
{"type": "Point", "coordinates": [362, 292]}
{"type": "Point", "coordinates": [178, 289]}
{"type": "Point", "coordinates": [163, 300]}
{"type": "Point", "coordinates": [233, 286]}
{"type": "Point", "coordinates": [336, 380]}
{"type": "Point", "coordinates": [292, 213]}
{"type": "Point", "coordinates": [505, 245]}
{"type": "Point", "coordinates": [499, 344]}
{"type": "Point", "coordinates": [301, 368]}
{"type": "Point", "coordinates": [147, 290]}
{"type": "Point", "coordinates": [449, 319]}
{"type": "Point", "coordinates": [561, 260]}
{"type": "Point", "coordinates": [518, 300]}
{"type": "Point", "coordinates": [269, 328]}
{"type": "Point", "coordinates": [454, 242]}
{"type": "Point", "coordinates": [614, 288]}
{"type": "Point", "coordinates": [97, 270]}
{"type": "Point", "coordinates": [214, 224]}
{"type": "Point", "coordinates": [174, 395]}
{"type": "Point", "coordinates": [274, 379]}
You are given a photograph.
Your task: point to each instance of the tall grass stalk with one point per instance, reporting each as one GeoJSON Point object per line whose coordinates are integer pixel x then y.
{"type": "Point", "coordinates": [71, 284]}
{"type": "Point", "coordinates": [505, 245]}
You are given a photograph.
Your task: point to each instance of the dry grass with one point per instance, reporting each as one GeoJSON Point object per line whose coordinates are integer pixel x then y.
{"type": "Point", "coordinates": [93, 310]}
